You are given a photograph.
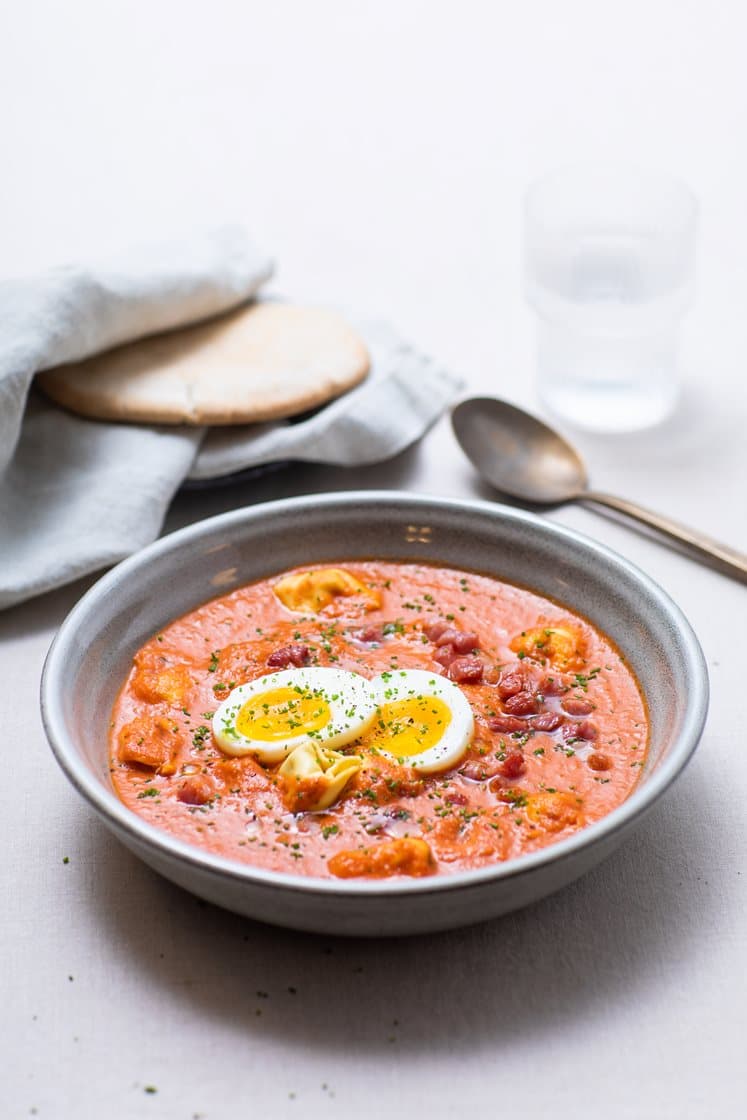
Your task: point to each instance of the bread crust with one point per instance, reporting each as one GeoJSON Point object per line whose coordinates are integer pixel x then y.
{"type": "Point", "coordinates": [261, 362]}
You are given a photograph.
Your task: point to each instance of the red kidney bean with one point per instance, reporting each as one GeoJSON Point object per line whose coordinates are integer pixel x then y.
{"type": "Point", "coordinates": [598, 761]}
{"type": "Point", "coordinates": [513, 765]}
{"type": "Point", "coordinates": [480, 769]}
{"type": "Point", "coordinates": [511, 683]}
{"type": "Point", "coordinates": [575, 706]}
{"type": "Point", "coordinates": [448, 636]}
{"type": "Point", "coordinates": [434, 630]}
{"type": "Point", "coordinates": [466, 670]}
{"type": "Point", "coordinates": [455, 798]}
{"type": "Point", "coordinates": [507, 724]}
{"type": "Point", "coordinates": [553, 686]}
{"type": "Point", "coordinates": [294, 654]}
{"type": "Point", "coordinates": [370, 634]}
{"type": "Point", "coordinates": [444, 656]}
{"type": "Point", "coordinates": [521, 704]}
{"type": "Point", "coordinates": [466, 642]}
{"type": "Point", "coordinates": [582, 730]}
{"type": "Point", "coordinates": [195, 790]}
{"type": "Point", "coordinates": [546, 721]}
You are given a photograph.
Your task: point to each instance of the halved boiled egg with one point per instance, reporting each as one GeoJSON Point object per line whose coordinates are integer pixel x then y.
{"type": "Point", "coordinates": [422, 720]}
{"type": "Point", "coordinates": [271, 716]}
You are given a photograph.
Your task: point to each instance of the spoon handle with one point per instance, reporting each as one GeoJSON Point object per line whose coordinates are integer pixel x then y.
{"type": "Point", "coordinates": [717, 555]}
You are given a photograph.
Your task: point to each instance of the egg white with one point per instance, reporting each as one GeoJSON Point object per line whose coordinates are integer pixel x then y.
{"type": "Point", "coordinates": [349, 697]}
{"type": "Point", "coordinates": [413, 684]}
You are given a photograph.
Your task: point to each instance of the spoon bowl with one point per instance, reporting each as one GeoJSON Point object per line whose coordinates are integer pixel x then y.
{"type": "Point", "coordinates": [518, 454]}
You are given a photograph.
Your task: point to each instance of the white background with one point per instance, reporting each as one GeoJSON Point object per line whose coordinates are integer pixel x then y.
{"type": "Point", "coordinates": [380, 152]}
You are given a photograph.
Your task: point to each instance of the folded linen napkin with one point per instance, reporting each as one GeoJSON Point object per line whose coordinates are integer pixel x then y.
{"type": "Point", "coordinates": [77, 495]}
{"type": "Point", "coordinates": [403, 394]}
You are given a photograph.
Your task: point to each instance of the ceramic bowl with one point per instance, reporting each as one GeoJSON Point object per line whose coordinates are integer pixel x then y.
{"type": "Point", "coordinates": [92, 653]}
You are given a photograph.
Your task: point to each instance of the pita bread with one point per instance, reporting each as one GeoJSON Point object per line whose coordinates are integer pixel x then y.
{"type": "Point", "coordinates": [260, 362]}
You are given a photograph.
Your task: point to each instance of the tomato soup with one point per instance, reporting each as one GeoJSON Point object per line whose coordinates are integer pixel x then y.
{"type": "Point", "coordinates": [377, 719]}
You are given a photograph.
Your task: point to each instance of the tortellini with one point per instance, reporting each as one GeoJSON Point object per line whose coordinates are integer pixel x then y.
{"type": "Point", "coordinates": [553, 811]}
{"type": "Point", "coordinates": [156, 682]}
{"type": "Point", "coordinates": [313, 777]}
{"type": "Point", "coordinates": [310, 592]}
{"type": "Point", "coordinates": [563, 647]}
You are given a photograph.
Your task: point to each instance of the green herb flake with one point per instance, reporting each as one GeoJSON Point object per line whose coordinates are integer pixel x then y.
{"type": "Point", "coordinates": [201, 735]}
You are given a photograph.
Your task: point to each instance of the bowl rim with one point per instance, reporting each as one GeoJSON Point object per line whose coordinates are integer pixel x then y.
{"type": "Point", "coordinates": [122, 819]}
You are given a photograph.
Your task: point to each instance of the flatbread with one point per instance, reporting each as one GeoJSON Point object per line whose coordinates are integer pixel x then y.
{"type": "Point", "coordinates": [261, 362]}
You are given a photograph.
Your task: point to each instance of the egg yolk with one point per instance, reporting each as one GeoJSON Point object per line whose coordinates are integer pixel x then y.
{"type": "Point", "coordinates": [411, 726]}
{"type": "Point", "coordinates": [282, 713]}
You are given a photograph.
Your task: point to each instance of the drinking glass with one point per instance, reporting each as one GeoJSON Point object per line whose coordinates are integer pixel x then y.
{"type": "Point", "coordinates": [609, 258]}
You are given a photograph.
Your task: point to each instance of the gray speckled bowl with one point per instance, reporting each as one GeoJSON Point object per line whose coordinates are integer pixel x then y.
{"type": "Point", "coordinates": [92, 653]}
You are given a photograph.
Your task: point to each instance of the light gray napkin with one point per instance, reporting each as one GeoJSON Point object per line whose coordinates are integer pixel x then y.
{"type": "Point", "coordinates": [77, 495]}
{"type": "Point", "coordinates": [402, 395]}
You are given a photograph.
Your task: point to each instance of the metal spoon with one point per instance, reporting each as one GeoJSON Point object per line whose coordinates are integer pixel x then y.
{"type": "Point", "coordinates": [525, 459]}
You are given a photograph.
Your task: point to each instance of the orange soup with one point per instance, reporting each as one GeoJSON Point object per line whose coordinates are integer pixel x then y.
{"type": "Point", "coordinates": [377, 719]}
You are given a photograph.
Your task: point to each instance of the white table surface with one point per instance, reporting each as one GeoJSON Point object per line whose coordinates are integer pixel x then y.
{"type": "Point", "coordinates": [380, 152]}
